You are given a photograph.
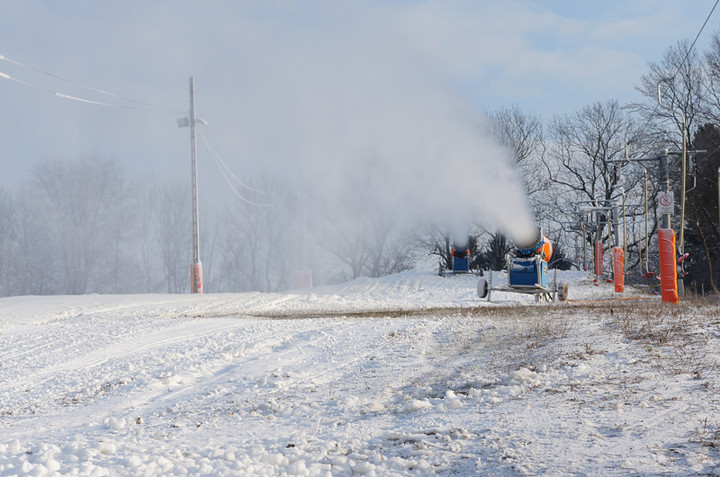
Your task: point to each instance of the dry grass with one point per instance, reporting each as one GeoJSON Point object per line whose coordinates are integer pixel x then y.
{"type": "Point", "coordinates": [677, 337]}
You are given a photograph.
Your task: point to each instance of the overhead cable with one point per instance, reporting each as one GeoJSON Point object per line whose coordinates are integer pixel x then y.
{"type": "Point", "coordinates": [228, 174]}
{"type": "Point", "coordinates": [687, 55]}
{"type": "Point", "coordinates": [144, 106]}
{"type": "Point", "coordinates": [696, 38]}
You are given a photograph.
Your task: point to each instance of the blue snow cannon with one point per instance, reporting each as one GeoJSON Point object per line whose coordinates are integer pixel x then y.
{"type": "Point", "coordinates": [527, 272]}
{"type": "Point", "coordinates": [529, 266]}
{"type": "Point", "coordinates": [460, 259]}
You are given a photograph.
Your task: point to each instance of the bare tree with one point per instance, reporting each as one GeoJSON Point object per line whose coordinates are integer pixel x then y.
{"type": "Point", "coordinates": [711, 85]}
{"type": "Point", "coordinates": [702, 218]}
{"type": "Point", "coordinates": [30, 262]}
{"type": "Point", "coordinates": [584, 160]}
{"type": "Point", "coordinates": [362, 235]}
{"type": "Point", "coordinates": [586, 150]}
{"type": "Point", "coordinates": [680, 80]}
{"type": "Point", "coordinates": [523, 134]}
{"type": "Point", "coordinates": [8, 239]}
{"type": "Point", "coordinates": [169, 206]}
{"type": "Point", "coordinates": [259, 241]}
{"type": "Point", "coordinates": [81, 201]}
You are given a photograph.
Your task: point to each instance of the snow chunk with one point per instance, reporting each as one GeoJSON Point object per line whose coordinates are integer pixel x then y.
{"type": "Point", "coordinates": [364, 468]}
{"type": "Point", "coordinates": [451, 400]}
{"type": "Point", "coordinates": [107, 448]}
{"type": "Point", "coordinates": [277, 460]}
{"type": "Point", "coordinates": [524, 376]}
{"type": "Point", "coordinates": [115, 423]}
{"type": "Point", "coordinates": [364, 405]}
{"type": "Point", "coordinates": [133, 461]}
{"type": "Point", "coordinates": [297, 468]}
{"type": "Point", "coordinates": [417, 405]}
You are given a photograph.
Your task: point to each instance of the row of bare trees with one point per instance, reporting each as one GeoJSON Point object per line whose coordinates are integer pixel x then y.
{"type": "Point", "coordinates": [82, 226]}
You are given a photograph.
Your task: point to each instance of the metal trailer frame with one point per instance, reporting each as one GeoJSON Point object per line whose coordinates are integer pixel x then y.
{"type": "Point", "coordinates": [553, 292]}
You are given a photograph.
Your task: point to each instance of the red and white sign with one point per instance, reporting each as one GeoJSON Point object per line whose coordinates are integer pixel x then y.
{"type": "Point", "coordinates": [665, 203]}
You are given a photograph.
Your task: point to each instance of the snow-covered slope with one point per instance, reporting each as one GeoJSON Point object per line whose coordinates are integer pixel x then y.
{"type": "Point", "coordinates": [407, 291]}
{"type": "Point", "coordinates": [335, 381]}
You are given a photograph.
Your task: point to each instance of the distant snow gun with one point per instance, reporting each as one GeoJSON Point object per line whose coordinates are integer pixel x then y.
{"type": "Point", "coordinates": [527, 272]}
{"type": "Point", "coordinates": [460, 259]}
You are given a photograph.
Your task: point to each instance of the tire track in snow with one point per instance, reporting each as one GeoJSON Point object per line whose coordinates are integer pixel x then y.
{"type": "Point", "coordinates": [89, 368]}
{"type": "Point", "coordinates": [279, 372]}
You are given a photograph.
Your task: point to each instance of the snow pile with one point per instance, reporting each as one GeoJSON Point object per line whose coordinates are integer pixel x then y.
{"type": "Point", "coordinates": [449, 384]}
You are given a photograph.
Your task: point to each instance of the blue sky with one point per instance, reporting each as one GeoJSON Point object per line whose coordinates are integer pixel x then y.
{"type": "Point", "coordinates": [270, 74]}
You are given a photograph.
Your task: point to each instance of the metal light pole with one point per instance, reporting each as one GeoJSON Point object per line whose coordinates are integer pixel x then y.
{"type": "Point", "coordinates": [196, 284]}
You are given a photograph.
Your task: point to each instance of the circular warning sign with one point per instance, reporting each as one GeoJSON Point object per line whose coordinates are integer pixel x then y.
{"type": "Point", "coordinates": [665, 202]}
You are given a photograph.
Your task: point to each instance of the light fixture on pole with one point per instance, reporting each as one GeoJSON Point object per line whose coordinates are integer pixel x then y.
{"type": "Point", "coordinates": [196, 285]}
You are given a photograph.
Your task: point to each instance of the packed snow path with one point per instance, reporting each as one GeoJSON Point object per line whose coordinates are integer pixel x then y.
{"type": "Point", "coordinates": [147, 385]}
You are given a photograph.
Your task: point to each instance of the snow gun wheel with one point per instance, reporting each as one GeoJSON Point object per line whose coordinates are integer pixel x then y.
{"type": "Point", "coordinates": [562, 291]}
{"type": "Point", "coordinates": [482, 288]}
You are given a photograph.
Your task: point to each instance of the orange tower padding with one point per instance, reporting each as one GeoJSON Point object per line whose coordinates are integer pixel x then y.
{"type": "Point", "coordinates": [196, 283]}
{"type": "Point", "coordinates": [598, 258]}
{"type": "Point", "coordinates": [668, 267]}
{"type": "Point", "coordinates": [619, 269]}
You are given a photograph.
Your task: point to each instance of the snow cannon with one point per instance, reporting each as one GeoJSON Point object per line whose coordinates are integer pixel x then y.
{"type": "Point", "coordinates": [527, 271]}
{"type": "Point", "coordinates": [460, 258]}
{"type": "Point", "coordinates": [529, 266]}
{"type": "Point", "coordinates": [540, 245]}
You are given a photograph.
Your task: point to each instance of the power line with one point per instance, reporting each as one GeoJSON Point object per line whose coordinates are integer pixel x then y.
{"type": "Point", "coordinates": [228, 174]}
{"type": "Point", "coordinates": [143, 105]}
{"type": "Point", "coordinates": [687, 55]}
{"type": "Point", "coordinates": [696, 38]}
{"type": "Point", "coordinates": [57, 93]}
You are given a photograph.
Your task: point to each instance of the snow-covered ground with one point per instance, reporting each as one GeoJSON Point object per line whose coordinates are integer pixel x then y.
{"type": "Point", "coordinates": [410, 374]}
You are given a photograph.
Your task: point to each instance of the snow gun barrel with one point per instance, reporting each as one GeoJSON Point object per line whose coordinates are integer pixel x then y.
{"type": "Point", "coordinates": [539, 245]}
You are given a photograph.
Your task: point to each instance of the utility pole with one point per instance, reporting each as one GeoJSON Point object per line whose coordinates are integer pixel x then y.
{"type": "Point", "coordinates": [196, 284]}
{"type": "Point", "coordinates": [196, 270]}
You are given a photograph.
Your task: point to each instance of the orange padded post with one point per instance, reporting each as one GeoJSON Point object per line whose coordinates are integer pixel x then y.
{"type": "Point", "coordinates": [668, 268]}
{"type": "Point", "coordinates": [599, 258]}
{"type": "Point", "coordinates": [196, 282]}
{"type": "Point", "coordinates": [619, 269]}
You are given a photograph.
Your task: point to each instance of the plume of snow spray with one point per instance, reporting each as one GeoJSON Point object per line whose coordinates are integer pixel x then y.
{"type": "Point", "coordinates": [425, 158]}
{"type": "Point", "coordinates": [364, 119]}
